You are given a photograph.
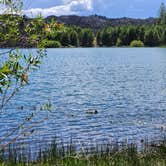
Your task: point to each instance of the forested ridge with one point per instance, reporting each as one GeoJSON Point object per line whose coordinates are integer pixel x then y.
{"type": "Point", "coordinates": [96, 22]}
{"type": "Point", "coordinates": [21, 31]}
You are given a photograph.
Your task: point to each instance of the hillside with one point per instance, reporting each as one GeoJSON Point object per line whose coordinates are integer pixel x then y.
{"type": "Point", "coordinates": [98, 22]}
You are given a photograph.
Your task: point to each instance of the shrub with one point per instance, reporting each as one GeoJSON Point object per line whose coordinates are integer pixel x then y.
{"type": "Point", "coordinates": [118, 43]}
{"type": "Point", "coordinates": [136, 43]}
{"type": "Point", "coordinates": [49, 44]}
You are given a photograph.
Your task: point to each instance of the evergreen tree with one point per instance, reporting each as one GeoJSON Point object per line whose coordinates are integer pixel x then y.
{"type": "Point", "coordinates": [65, 39]}
{"type": "Point", "coordinates": [124, 37]}
{"type": "Point", "coordinates": [74, 41]}
{"type": "Point", "coordinates": [151, 38]}
{"type": "Point", "coordinates": [132, 34]}
{"type": "Point", "coordinates": [99, 38]}
{"type": "Point", "coordinates": [113, 36]}
{"type": "Point", "coordinates": [140, 33]}
{"type": "Point", "coordinates": [86, 38]}
{"type": "Point", "coordinates": [162, 13]}
{"type": "Point", "coordinates": [164, 37]}
{"type": "Point", "coordinates": [106, 38]}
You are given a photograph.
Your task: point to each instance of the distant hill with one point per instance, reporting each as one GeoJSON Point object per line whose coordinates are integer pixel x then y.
{"type": "Point", "coordinates": [98, 22]}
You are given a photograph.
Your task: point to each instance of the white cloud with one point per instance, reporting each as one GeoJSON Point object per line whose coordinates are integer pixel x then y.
{"type": "Point", "coordinates": [68, 7]}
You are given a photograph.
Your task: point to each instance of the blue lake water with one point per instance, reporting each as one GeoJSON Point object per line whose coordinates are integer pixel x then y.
{"type": "Point", "coordinates": [127, 87]}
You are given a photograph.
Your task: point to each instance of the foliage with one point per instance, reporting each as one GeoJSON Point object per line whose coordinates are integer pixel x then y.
{"type": "Point", "coordinates": [163, 36]}
{"type": "Point", "coordinates": [49, 44]}
{"type": "Point", "coordinates": [122, 36]}
{"type": "Point", "coordinates": [99, 38]}
{"type": "Point", "coordinates": [15, 65]}
{"type": "Point", "coordinates": [86, 38]}
{"type": "Point", "coordinates": [152, 38]}
{"type": "Point", "coordinates": [65, 39]}
{"type": "Point", "coordinates": [19, 31]}
{"type": "Point", "coordinates": [74, 40]}
{"type": "Point", "coordinates": [162, 14]}
{"type": "Point", "coordinates": [109, 154]}
{"type": "Point", "coordinates": [108, 37]}
{"type": "Point", "coordinates": [12, 6]}
{"type": "Point", "coordinates": [14, 71]}
{"type": "Point", "coordinates": [136, 43]}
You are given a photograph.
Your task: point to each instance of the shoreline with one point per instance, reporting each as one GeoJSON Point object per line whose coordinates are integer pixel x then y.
{"type": "Point", "coordinates": [100, 154]}
{"type": "Point", "coordinates": [77, 47]}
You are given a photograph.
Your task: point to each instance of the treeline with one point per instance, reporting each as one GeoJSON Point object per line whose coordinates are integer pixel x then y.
{"type": "Point", "coordinates": [151, 36]}
{"type": "Point", "coordinates": [154, 35]}
{"type": "Point", "coordinates": [38, 33]}
{"type": "Point", "coordinates": [123, 36]}
{"type": "Point", "coordinates": [16, 31]}
{"type": "Point", "coordinates": [72, 37]}
{"type": "Point", "coordinates": [19, 31]}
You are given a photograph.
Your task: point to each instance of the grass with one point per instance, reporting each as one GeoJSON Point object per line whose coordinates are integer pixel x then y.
{"type": "Point", "coordinates": [151, 154]}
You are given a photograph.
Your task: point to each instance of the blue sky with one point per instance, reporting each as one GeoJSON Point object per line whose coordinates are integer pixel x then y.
{"type": "Point", "coordinates": [109, 8]}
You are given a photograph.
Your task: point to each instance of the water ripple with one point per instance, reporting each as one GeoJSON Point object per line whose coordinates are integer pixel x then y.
{"type": "Point", "coordinates": [126, 87]}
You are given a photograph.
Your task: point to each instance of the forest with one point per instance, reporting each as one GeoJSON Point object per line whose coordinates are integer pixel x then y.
{"type": "Point", "coordinates": [18, 31]}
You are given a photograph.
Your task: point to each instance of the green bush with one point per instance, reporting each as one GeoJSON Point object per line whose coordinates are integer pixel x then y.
{"type": "Point", "coordinates": [118, 43]}
{"type": "Point", "coordinates": [136, 43]}
{"type": "Point", "coordinates": [49, 44]}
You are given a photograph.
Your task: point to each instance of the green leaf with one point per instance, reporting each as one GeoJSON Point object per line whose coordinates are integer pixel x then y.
{"type": "Point", "coordinates": [1, 91]}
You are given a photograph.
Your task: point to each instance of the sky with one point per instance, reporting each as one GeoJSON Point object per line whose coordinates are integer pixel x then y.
{"type": "Point", "coordinates": [108, 8]}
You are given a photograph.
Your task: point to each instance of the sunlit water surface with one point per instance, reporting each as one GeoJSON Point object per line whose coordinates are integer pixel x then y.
{"type": "Point", "coordinates": [126, 86]}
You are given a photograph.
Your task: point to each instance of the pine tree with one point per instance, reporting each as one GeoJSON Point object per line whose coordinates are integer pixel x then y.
{"type": "Point", "coordinates": [74, 41]}
{"type": "Point", "coordinates": [162, 13]}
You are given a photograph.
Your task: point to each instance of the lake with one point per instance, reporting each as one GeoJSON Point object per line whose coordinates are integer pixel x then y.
{"type": "Point", "coordinates": [127, 87]}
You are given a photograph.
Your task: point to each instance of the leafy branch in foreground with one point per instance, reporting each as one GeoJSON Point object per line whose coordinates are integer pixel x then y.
{"type": "Point", "coordinates": [15, 68]}
{"type": "Point", "coordinates": [12, 6]}
{"type": "Point", "coordinates": [14, 73]}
